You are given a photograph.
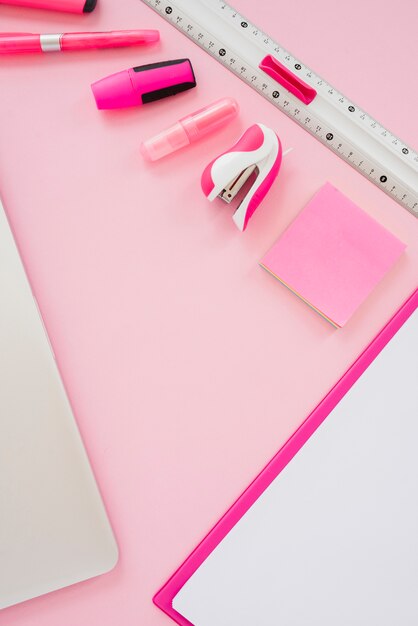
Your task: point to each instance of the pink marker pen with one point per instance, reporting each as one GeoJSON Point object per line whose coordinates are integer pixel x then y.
{"type": "Point", "coordinates": [190, 128]}
{"type": "Point", "coordinates": [69, 6]}
{"type": "Point", "coordinates": [143, 84]}
{"type": "Point", "coordinates": [16, 43]}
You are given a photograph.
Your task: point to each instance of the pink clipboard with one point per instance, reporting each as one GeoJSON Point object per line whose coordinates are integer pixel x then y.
{"type": "Point", "coordinates": [164, 597]}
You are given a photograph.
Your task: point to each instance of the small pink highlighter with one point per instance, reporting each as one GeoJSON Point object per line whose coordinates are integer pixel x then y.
{"type": "Point", "coordinates": [144, 84]}
{"type": "Point", "coordinates": [189, 129]}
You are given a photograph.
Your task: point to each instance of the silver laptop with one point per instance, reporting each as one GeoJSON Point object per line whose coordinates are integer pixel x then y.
{"type": "Point", "coordinates": [53, 526]}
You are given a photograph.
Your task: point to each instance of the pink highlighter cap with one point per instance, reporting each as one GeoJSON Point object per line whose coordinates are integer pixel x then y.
{"type": "Point", "coordinates": [190, 129]}
{"type": "Point", "coordinates": [143, 84]}
{"type": "Point", "coordinates": [115, 91]}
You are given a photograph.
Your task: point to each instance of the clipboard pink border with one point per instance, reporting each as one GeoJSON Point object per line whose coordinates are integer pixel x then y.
{"type": "Point", "coordinates": [164, 597]}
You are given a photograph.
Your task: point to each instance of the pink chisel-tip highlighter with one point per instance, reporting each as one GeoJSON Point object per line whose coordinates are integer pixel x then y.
{"type": "Point", "coordinates": [143, 83]}
{"type": "Point", "coordinates": [17, 43]}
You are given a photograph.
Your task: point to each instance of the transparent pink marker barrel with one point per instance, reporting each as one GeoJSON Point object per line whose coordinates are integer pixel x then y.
{"type": "Point", "coordinates": [190, 129]}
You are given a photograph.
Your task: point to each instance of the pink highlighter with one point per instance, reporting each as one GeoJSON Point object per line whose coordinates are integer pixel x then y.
{"type": "Point", "coordinates": [189, 129]}
{"type": "Point", "coordinates": [143, 84]}
{"type": "Point", "coordinates": [69, 6]}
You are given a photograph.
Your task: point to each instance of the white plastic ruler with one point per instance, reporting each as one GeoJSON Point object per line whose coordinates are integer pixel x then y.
{"type": "Point", "coordinates": [332, 118]}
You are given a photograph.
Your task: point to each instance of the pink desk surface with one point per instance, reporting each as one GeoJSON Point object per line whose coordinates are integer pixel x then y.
{"type": "Point", "coordinates": [187, 365]}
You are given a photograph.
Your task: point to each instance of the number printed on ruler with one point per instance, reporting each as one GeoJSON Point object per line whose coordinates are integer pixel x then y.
{"type": "Point", "coordinates": [333, 119]}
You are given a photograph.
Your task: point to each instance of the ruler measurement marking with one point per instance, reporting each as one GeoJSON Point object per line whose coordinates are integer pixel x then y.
{"type": "Point", "coordinates": [277, 95]}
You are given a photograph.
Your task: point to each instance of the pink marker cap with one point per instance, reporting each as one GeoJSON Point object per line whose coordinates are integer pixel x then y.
{"type": "Point", "coordinates": [190, 129]}
{"type": "Point", "coordinates": [115, 91]}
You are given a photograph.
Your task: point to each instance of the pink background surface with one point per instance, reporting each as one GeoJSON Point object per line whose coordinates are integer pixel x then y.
{"type": "Point", "coordinates": [187, 365]}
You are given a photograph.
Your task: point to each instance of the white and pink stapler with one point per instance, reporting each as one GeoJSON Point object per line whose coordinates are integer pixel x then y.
{"type": "Point", "coordinates": [257, 151]}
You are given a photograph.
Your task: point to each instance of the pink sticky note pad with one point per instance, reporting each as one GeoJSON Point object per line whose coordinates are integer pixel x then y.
{"type": "Point", "coordinates": [333, 255]}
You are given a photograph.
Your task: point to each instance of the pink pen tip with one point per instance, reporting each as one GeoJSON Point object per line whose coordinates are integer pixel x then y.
{"type": "Point", "coordinates": [151, 36]}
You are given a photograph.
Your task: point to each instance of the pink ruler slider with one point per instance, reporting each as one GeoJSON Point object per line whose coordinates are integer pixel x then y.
{"type": "Point", "coordinates": [287, 79]}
